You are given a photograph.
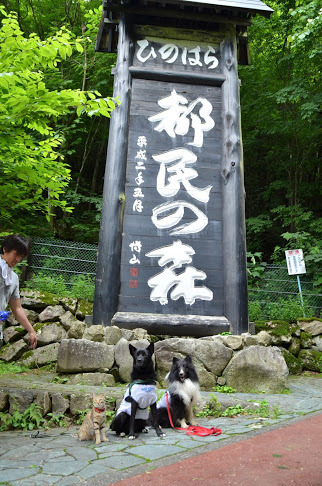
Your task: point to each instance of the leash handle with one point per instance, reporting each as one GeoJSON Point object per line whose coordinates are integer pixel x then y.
{"type": "Point", "coordinates": [192, 429]}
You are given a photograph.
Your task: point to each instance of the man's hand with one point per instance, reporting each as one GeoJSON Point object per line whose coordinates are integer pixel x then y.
{"type": "Point", "coordinates": [32, 339]}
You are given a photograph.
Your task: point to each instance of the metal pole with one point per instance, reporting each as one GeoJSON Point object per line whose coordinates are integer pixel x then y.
{"type": "Point", "coordinates": [300, 290]}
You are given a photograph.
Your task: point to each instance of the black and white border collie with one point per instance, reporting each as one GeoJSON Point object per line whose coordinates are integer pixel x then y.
{"type": "Point", "coordinates": [183, 393]}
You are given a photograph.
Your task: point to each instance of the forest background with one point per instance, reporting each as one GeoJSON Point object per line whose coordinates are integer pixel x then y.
{"type": "Point", "coordinates": [54, 120]}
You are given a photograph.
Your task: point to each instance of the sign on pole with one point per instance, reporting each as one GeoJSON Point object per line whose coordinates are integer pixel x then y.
{"type": "Point", "coordinates": [295, 262]}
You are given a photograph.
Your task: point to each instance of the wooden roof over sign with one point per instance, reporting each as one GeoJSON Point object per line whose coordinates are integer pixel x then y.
{"type": "Point", "coordinates": [251, 6]}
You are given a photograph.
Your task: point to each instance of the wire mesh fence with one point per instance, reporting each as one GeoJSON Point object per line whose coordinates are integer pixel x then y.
{"type": "Point", "coordinates": [51, 257]}
{"type": "Point", "coordinates": [68, 259]}
{"type": "Point", "coordinates": [277, 286]}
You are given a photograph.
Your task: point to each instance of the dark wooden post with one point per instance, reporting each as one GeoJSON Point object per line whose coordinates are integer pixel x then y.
{"type": "Point", "coordinates": [234, 232]}
{"type": "Point", "coordinates": [110, 241]}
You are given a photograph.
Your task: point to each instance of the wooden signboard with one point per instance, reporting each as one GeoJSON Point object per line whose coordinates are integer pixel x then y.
{"type": "Point", "coordinates": [172, 255]}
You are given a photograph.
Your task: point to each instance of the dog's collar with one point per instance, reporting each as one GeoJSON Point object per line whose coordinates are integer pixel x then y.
{"type": "Point", "coordinates": [99, 410]}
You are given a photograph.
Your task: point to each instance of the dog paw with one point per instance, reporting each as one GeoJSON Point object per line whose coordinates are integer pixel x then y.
{"type": "Point", "coordinates": [132, 437]}
{"type": "Point", "coordinates": [122, 434]}
{"type": "Point", "coordinates": [145, 431]}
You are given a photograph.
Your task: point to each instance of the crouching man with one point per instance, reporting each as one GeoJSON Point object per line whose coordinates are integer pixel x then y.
{"type": "Point", "coordinates": [14, 248]}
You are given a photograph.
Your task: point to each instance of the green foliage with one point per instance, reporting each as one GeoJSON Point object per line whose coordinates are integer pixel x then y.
{"type": "Point", "coordinates": [289, 309]}
{"type": "Point", "coordinates": [6, 368]}
{"type": "Point", "coordinates": [254, 311]}
{"type": "Point", "coordinates": [27, 420]}
{"type": "Point", "coordinates": [255, 267]}
{"type": "Point", "coordinates": [281, 131]}
{"type": "Point", "coordinates": [33, 172]}
{"type": "Point", "coordinates": [83, 287]}
{"type": "Point", "coordinates": [223, 389]}
{"type": "Point", "coordinates": [233, 410]}
{"type": "Point", "coordinates": [81, 414]}
{"type": "Point", "coordinates": [45, 283]}
{"type": "Point", "coordinates": [56, 420]}
{"type": "Point", "coordinates": [59, 379]}
{"type": "Point", "coordinates": [212, 409]}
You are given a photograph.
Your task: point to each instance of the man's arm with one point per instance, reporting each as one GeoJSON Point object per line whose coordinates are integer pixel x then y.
{"type": "Point", "coordinates": [21, 317]}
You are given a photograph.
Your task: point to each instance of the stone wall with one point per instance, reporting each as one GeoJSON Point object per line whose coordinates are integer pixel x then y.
{"type": "Point", "coordinates": [94, 354]}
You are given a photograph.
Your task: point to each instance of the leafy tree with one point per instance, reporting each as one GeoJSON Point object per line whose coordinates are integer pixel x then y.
{"type": "Point", "coordinates": [33, 172]}
{"type": "Point", "coordinates": [281, 98]}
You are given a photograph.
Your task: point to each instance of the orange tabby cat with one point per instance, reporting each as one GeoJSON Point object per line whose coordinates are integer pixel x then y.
{"type": "Point", "coordinates": [94, 422]}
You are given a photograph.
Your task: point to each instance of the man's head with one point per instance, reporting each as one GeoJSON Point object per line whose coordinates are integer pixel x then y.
{"type": "Point", "coordinates": [14, 248]}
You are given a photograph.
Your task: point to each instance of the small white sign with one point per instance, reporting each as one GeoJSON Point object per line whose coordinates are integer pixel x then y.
{"type": "Point", "coordinates": [295, 262]}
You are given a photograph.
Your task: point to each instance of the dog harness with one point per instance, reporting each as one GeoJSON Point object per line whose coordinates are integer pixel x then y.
{"type": "Point", "coordinates": [143, 394]}
{"type": "Point", "coordinates": [162, 403]}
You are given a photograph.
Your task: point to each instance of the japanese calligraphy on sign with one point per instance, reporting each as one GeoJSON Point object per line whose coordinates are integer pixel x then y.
{"type": "Point", "coordinates": [172, 241]}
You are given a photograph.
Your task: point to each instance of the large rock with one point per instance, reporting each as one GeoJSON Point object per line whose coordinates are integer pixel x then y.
{"type": "Point", "coordinates": [78, 355]}
{"type": "Point", "coordinates": [4, 401]}
{"type": "Point", "coordinates": [40, 356]}
{"type": "Point", "coordinates": [13, 333]}
{"type": "Point", "coordinates": [20, 400]}
{"type": "Point", "coordinates": [234, 342]}
{"type": "Point", "coordinates": [137, 334]}
{"type": "Point", "coordinates": [69, 303]}
{"type": "Point", "coordinates": [43, 401]}
{"type": "Point", "coordinates": [317, 341]}
{"type": "Point", "coordinates": [257, 369]}
{"type": "Point", "coordinates": [124, 359]}
{"type": "Point", "coordinates": [213, 354]}
{"type": "Point", "coordinates": [310, 359]}
{"type": "Point", "coordinates": [76, 330]}
{"type": "Point", "coordinates": [79, 403]}
{"type": "Point", "coordinates": [112, 334]}
{"type": "Point", "coordinates": [249, 339]}
{"type": "Point", "coordinates": [313, 327]}
{"type": "Point", "coordinates": [93, 379]}
{"type": "Point", "coordinates": [13, 351]}
{"type": "Point", "coordinates": [50, 333]}
{"type": "Point", "coordinates": [264, 338]}
{"type": "Point", "coordinates": [32, 299]}
{"type": "Point", "coordinates": [59, 404]}
{"type": "Point", "coordinates": [31, 315]}
{"type": "Point", "coordinates": [51, 313]}
{"type": "Point", "coordinates": [67, 320]}
{"type": "Point", "coordinates": [94, 333]}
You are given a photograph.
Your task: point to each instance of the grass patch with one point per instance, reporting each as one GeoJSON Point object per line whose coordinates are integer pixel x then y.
{"type": "Point", "coordinates": [6, 368]}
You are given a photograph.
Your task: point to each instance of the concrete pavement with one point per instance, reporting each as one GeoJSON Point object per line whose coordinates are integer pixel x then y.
{"type": "Point", "coordinates": [249, 447]}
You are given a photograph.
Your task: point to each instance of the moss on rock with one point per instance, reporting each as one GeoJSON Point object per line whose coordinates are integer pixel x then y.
{"type": "Point", "coordinates": [294, 365]}
{"type": "Point", "coordinates": [311, 359]}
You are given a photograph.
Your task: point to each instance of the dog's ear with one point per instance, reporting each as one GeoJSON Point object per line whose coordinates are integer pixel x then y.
{"type": "Point", "coordinates": [132, 349]}
{"type": "Point", "coordinates": [150, 348]}
{"type": "Point", "coordinates": [188, 358]}
{"type": "Point", "coordinates": [174, 360]}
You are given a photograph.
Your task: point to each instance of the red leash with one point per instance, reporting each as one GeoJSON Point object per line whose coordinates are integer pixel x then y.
{"type": "Point", "coordinates": [192, 429]}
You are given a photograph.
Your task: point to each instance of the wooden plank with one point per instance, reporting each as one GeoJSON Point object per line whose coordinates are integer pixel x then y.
{"type": "Point", "coordinates": [144, 304]}
{"type": "Point", "coordinates": [171, 324]}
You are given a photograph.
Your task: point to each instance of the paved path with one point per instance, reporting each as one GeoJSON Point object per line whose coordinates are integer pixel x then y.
{"type": "Point", "coordinates": [249, 451]}
{"type": "Point", "coordinates": [290, 455]}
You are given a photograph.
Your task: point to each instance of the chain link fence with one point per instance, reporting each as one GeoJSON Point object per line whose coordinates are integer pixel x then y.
{"type": "Point", "coordinates": [67, 259]}
{"type": "Point", "coordinates": [52, 257]}
{"type": "Point", "coordinates": [277, 286]}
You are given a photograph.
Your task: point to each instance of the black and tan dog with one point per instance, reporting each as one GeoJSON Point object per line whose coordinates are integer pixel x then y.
{"type": "Point", "coordinates": [132, 414]}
